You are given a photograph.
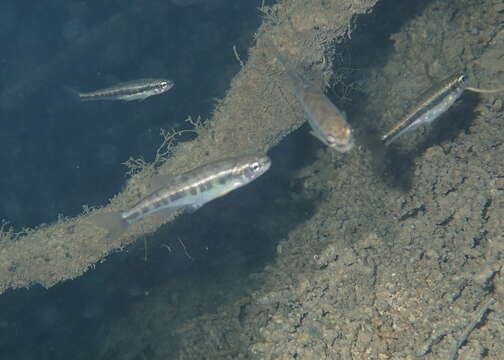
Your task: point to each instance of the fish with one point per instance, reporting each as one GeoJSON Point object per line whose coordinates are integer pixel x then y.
{"type": "Point", "coordinates": [188, 191]}
{"type": "Point", "coordinates": [127, 91]}
{"type": "Point", "coordinates": [328, 123]}
{"type": "Point", "coordinates": [429, 106]}
{"type": "Point", "coordinates": [432, 104]}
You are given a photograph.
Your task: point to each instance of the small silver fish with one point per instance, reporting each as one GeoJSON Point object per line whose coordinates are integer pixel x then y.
{"type": "Point", "coordinates": [127, 91]}
{"type": "Point", "coordinates": [430, 105]}
{"type": "Point", "coordinates": [188, 191]}
{"type": "Point", "coordinates": [328, 123]}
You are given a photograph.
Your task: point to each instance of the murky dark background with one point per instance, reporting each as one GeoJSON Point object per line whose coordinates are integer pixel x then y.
{"type": "Point", "coordinates": [58, 155]}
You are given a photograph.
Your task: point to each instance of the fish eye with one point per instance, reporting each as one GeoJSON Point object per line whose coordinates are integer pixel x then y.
{"type": "Point", "coordinates": [255, 167]}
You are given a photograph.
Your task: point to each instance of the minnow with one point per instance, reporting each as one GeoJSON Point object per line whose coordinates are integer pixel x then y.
{"type": "Point", "coordinates": [432, 104]}
{"type": "Point", "coordinates": [188, 191]}
{"type": "Point", "coordinates": [328, 123]}
{"type": "Point", "coordinates": [127, 91]}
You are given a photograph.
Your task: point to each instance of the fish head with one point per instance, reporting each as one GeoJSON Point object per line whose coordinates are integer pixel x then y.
{"type": "Point", "coordinates": [254, 166]}
{"type": "Point", "coordinates": [164, 85]}
{"type": "Point", "coordinates": [461, 80]}
{"type": "Point", "coordinates": [340, 140]}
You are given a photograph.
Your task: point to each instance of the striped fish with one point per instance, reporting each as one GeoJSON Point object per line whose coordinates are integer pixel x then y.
{"type": "Point", "coordinates": [328, 123]}
{"type": "Point", "coordinates": [127, 91]}
{"type": "Point", "coordinates": [432, 104]}
{"type": "Point", "coordinates": [188, 191]}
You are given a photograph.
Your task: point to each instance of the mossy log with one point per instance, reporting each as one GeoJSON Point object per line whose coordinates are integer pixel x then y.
{"type": "Point", "coordinates": [254, 115]}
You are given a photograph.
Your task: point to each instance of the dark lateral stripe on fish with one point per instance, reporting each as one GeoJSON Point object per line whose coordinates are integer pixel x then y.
{"type": "Point", "coordinates": [110, 93]}
{"type": "Point", "coordinates": [136, 89]}
{"type": "Point", "coordinates": [119, 92]}
{"type": "Point", "coordinates": [176, 196]}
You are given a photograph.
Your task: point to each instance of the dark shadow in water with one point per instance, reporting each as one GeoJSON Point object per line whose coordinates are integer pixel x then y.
{"type": "Point", "coordinates": [244, 227]}
{"type": "Point", "coordinates": [239, 231]}
{"type": "Point", "coordinates": [58, 154]}
{"type": "Point", "coordinates": [371, 46]}
{"type": "Point", "coordinates": [456, 120]}
{"type": "Point", "coordinates": [398, 168]}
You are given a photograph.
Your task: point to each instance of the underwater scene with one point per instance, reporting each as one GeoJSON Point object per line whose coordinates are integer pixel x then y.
{"type": "Point", "coordinates": [222, 179]}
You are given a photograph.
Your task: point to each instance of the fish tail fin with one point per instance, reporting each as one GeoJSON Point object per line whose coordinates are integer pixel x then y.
{"type": "Point", "coordinates": [112, 222]}
{"type": "Point", "coordinates": [72, 94]}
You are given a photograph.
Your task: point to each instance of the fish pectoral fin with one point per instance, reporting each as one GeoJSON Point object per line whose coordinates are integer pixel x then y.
{"type": "Point", "coordinates": [138, 97]}
{"type": "Point", "coordinates": [458, 102]}
{"type": "Point", "coordinates": [313, 133]}
{"type": "Point", "coordinates": [162, 215]}
{"type": "Point", "coordinates": [143, 98]}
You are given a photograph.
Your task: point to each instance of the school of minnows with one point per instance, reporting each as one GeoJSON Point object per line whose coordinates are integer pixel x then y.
{"type": "Point", "coordinates": [192, 189]}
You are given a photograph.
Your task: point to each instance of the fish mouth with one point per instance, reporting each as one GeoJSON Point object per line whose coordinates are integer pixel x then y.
{"type": "Point", "coordinates": [167, 85]}
{"type": "Point", "coordinates": [343, 145]}
{"type": "Point", "coordinates": [255, 166]}
{"type": "Point", "coordinates": [265, 162]}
